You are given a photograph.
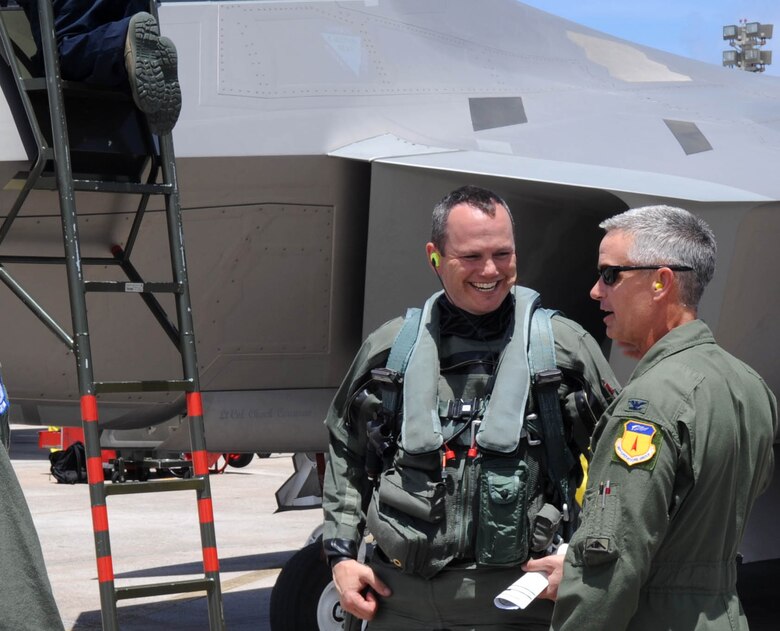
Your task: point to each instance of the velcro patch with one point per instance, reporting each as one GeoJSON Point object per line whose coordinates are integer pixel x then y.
{"type": "Point", "coordinates": [638, 445]}
{"type": "Point", "coordinates": [639, 406]}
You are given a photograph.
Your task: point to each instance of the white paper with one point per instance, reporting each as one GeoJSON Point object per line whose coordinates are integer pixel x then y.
{"type": "Point", "coordinates": [520, 593]}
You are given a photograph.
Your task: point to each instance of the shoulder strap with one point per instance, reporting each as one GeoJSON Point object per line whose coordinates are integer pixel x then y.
{"type": "Point", "coordinates": [404, 341]}
{"type": "Point", "coordinates": [546, 378]}
{"type": "Point", "coordinates": [391, 376]}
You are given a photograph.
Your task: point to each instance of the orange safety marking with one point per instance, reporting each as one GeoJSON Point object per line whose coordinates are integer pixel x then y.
{"type": "Point", "coordinates": [205, 511]}
{"type": "Point", "coordinates": [194, 404]}
{"type": "Point", "coordinates": [200, 462]}
{"type": "Point", "coordinates": [99, 518]}
{"type": "Point", "coordinates": [210, 560]}
{"type": "Point", "coordinates": [95, 469]}
{"type": "Point", "coordinates": [105, 569]}
{"type": "Point", "coordinates": [89, 412]}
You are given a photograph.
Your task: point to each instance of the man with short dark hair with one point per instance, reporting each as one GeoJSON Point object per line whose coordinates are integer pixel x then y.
{"type": "Point", "coordinates": [680, 456]}
{"type": "Point", "coordinates": [472, 437]}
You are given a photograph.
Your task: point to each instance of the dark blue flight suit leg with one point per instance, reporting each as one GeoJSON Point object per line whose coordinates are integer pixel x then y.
{"type": "Point", "coordinates": [90, 36]}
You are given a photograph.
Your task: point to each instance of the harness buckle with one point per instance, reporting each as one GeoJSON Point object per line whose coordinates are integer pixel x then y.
{"type": "Point", "coordinates": [550, 377]}
{"type": "Point", "coordinates": [387, 376]}
{"type": "Point", "coordinates": [458, 409]}
{"type": "Point", "coordinates": [525, 433]}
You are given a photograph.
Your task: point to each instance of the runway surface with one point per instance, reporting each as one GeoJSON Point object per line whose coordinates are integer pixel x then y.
{"type": "Point", "coordinates": [155, 538]}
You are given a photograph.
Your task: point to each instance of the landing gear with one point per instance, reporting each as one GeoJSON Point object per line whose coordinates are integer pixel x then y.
{"type": "Point", "coordinates": [304, 596]}
{"type": "Point", "coordinates": [238, 460]}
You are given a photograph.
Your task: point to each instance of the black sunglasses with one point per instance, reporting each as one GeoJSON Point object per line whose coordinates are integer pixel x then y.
{"type": "Point", "coordinates": [609, 273]}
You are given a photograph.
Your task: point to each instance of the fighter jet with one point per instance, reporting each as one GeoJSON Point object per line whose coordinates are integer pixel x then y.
{"type": "Point", "coordinates": [314, 139]}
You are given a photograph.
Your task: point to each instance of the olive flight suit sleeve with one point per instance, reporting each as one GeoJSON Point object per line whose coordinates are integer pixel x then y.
{"type": "Point", "coordinates": [631, 487]}
{"type": "Point", "coordinates": [586, 369]}
{"type": "Point", "coordinates": [346, 482]}
{"type": "Point", "coordinates": [26, 599]}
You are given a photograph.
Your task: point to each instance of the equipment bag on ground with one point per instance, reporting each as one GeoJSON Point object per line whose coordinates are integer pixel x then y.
{"type": "Point", "coordinates": [69, 466]}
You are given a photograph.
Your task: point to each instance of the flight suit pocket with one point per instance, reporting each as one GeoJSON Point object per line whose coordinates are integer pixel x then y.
{"type": "Point", "coordinates": [405, 546]}
{"type": "Point", "coordinates": [502, 532]}
{"type": "Point", "coordinates": [413, 493]}
{"type": "Point", "coordinates": [404, 516]}
{"type": "Point", "coordinates": [597, 539]}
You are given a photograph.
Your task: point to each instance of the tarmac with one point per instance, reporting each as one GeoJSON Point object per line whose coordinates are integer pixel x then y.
{"type": "Point", "coordinates": [155, 538]}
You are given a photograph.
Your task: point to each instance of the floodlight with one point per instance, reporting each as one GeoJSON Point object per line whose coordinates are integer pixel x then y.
{"type": "Point", "coordinates": [730, 57]}
{"type": "Point", "coordinates": [761, 31]}
{"type": "Point", "coordinates": [746, 39]}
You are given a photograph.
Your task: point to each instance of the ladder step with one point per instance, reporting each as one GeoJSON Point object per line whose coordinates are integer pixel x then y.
{"type": "Point", "coordinates": [132, 288]}
{"type": "Point", "coordinates": [171, 385]}
{"type": "Point", "coordinates": [48, 182]}
{"type": "Point", "coordinates": [106, 186]}
{"type": "Point", "coordinates": [160, 589]}
{"type": "Point", "coordinates": [38, 84]}
{"type": "Point", "coordinates": [156, 486]}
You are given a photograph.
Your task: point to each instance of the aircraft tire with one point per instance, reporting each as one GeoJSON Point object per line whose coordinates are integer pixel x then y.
{"type": "Point", "coordinates": [304, 596]}
{"type": "Point", "coordinates": [238, 460]}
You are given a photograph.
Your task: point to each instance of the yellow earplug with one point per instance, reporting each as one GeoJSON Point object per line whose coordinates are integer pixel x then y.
{"type": "Point", "coordinates": [658, 285]}
{"type": "Point", "coordinates": [435, 260]}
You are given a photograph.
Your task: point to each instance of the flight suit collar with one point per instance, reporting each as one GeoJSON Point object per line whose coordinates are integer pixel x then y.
{"type": "Point", "coordinates": [678, 339]}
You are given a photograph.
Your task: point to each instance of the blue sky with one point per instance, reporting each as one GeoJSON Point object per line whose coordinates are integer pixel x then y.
{"type": "Point", "coordinates": [692, 28]}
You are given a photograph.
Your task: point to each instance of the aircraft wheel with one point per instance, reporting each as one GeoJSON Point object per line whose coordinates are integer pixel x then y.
{"type": "Point", "coordinates": [304, 596]}
{"type": "Point", "coordinates": [238, 460]}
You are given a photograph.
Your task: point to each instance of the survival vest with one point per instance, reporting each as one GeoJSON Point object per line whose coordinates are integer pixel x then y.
{"type": "Point", "coordinates": [420, 519]}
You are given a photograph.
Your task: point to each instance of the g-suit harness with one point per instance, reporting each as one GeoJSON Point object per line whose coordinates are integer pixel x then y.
{"type": "Point", "coordinates": [513, 482]}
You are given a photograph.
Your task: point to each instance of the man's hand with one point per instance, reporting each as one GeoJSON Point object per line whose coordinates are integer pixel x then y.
{"type": "Point", "coordinates": [551, 565]}
{"type": "Point", "coordinates": [351, 579]}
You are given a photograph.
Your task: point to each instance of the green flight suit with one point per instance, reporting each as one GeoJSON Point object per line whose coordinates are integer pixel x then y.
{"type": "Point", "coordinates": [679, 459]}
{"type": "Point", "coordinates": [461, 595]}
{"type": "Point", "coordinates": [26, 600]}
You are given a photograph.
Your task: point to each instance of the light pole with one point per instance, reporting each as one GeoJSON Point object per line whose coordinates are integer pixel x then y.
{"type": "Point", "coordinates": [746, 39]}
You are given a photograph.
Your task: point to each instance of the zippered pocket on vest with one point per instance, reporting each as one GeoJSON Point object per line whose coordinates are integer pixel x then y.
{"type": "Point", "coordinates": [502, 532]}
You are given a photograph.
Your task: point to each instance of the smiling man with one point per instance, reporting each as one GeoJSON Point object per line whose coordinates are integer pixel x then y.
{"type": "Point", "coordinates": [679, 458]}
{"type": "Point", "coordinates": [455, 442]}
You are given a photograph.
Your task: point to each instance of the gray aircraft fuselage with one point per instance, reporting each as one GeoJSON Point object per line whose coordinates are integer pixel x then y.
{"type": "Point", "coordinates": [315, 138]}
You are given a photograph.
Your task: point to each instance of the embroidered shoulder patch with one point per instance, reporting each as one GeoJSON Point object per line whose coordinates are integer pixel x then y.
{"type": "Point", "coordinates": [638, 445]}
